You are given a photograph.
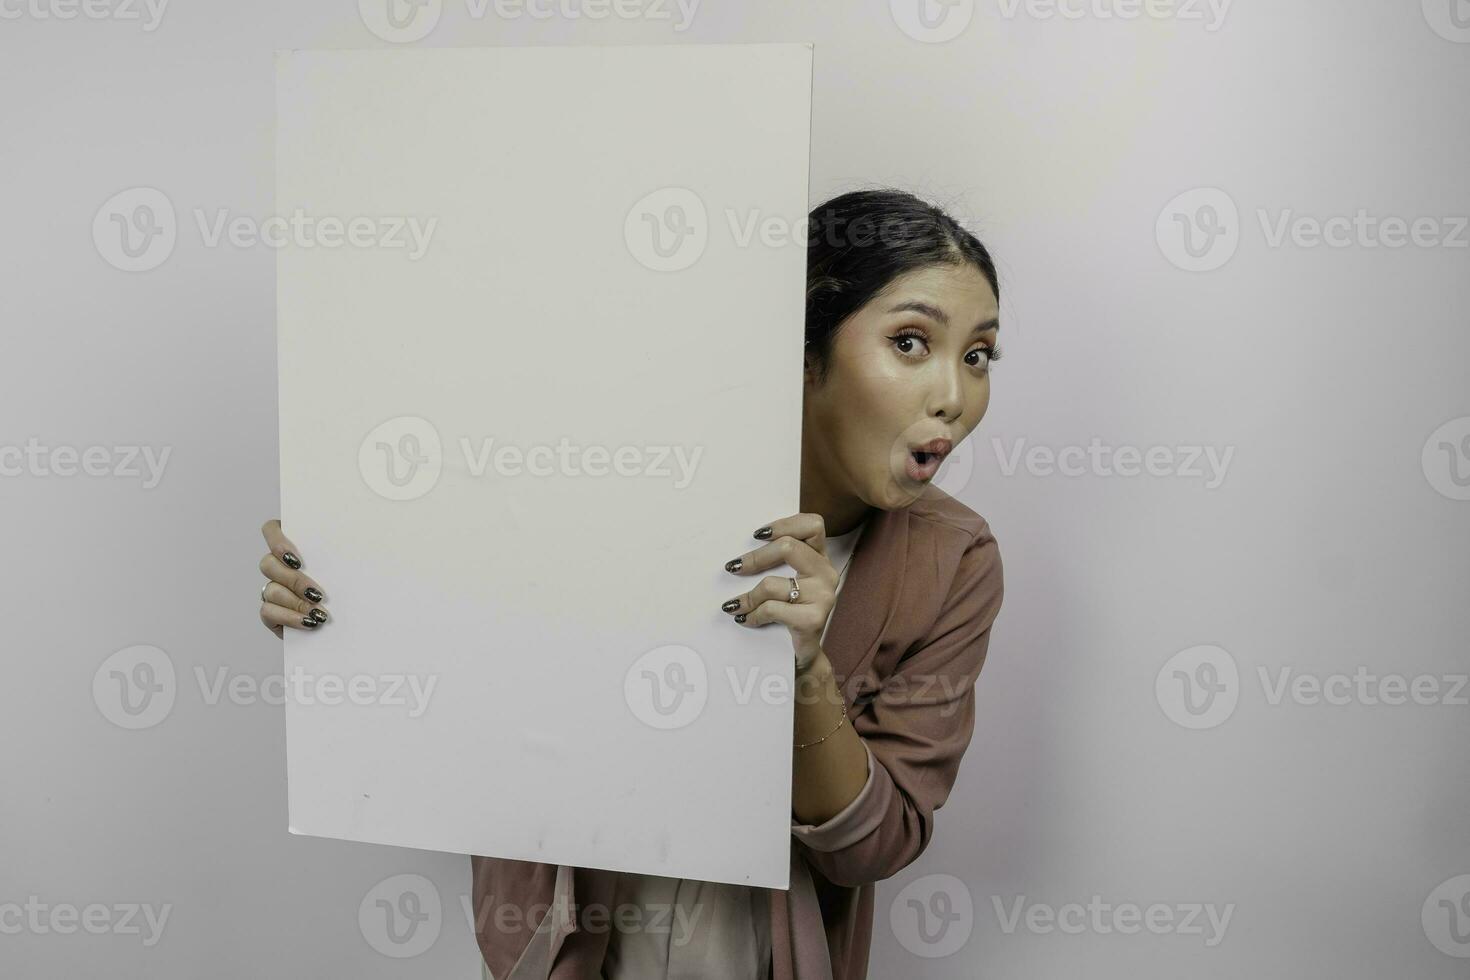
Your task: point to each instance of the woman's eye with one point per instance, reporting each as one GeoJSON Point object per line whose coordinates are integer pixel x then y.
{"type": "Point", "coordinates": [983, 355]}
{"type": "Point", "coordinates": [907, 342]}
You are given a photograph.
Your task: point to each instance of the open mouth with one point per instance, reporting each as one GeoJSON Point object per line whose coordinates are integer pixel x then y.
{"type": "Point", "coordinates": [923, 463]}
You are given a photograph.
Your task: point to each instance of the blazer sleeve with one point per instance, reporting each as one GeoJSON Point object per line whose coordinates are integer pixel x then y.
{"type": "Point", "coordinates": [915, 730]}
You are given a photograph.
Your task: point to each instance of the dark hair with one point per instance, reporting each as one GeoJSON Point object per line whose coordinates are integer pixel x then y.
{"type": "Point", "coordinates": [861, 241]}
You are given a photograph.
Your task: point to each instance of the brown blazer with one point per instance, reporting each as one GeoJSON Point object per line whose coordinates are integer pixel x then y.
{"type": "Point", "coordinates": [907, 639]}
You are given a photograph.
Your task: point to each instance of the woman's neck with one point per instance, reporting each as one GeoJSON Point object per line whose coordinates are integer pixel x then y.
{"type": "Point", "coordinates": [840, 513]}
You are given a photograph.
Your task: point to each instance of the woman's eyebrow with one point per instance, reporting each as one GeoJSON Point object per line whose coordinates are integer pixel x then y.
{"type": "Point", "coordinates": [935, 313]}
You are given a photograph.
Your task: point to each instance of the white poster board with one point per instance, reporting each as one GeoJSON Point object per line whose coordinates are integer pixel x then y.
{"type": "Point", "coordinates": [540, 336]}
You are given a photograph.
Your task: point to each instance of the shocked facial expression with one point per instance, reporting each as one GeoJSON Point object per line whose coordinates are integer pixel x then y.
{"type": "Point", "coordinates": [908, 379]}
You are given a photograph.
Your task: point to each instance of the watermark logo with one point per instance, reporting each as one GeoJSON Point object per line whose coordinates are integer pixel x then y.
{"type": "Point", "coordinates": [1446, 459]}
{"type": "Point", "coordinates": [400, 21]}
{"type": "Point", "coordinates": [1199, 230]}
{"type": "Point", "coordinates": [667, 230]}
{"type": "Point", "coordinates": [933, 916]}
{"type": "Point", "coordinates": [135, 230]}
{"type": "Point", "coordinates": [135, 687]}
{"type": "Point", "coordinates": [1446, 917]}
{"type": "Point", "coordinates": [932, 21]}
{"type": "Point", "coordinates": [667, 687]}
{"type": "Point", "coordinates": [401, 916]}
{"type": "Point", "coordinates": [402, 458]}
{"type": "Point", "coordinates": [1450, 19]}
{"type": "Point", "coordinates": [1199, 687]}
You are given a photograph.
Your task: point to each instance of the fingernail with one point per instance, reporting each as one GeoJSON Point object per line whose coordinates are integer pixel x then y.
{"type": "Point", "coordinates": [320, 615]}
{"type": "Point", "coordinates": [740, 618]}
{"type": "Point", "coordinates": [291, 560]}
{"type": "Point", "coordinates": [733, 565]}
{"type": "Point", "coordinates": [308, 622]}
{"type": "Point", "coordinates": [763, 533]}
{"type": "Point", "coordinates": [731, 606]}
{"type": "Point", "coordinates": [313, 595]}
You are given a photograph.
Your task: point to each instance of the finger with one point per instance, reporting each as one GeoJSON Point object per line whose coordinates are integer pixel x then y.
{"type": "Point", "coordinates": [274, 615]}
{"type": "Point", "coordinates": [296, 582]}
{"type": "Point", "coordinates": [810, 528]}
{"type": "Point", "coordinates": [281, 596]}
{"type": "Point", "coordinates": [784, 550]}
{"type": "Point", "coordinates": [770, 587]}
{"type": "Point", "coordinates": [796, 617]}
{"type": "Point", "coordinates": [280, 545]}
{"type": "Point", "coordinates": [279, 631]}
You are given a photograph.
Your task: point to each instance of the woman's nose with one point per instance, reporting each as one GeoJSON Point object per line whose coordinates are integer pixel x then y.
{"type": "Point", "coordinates": [946, 400]}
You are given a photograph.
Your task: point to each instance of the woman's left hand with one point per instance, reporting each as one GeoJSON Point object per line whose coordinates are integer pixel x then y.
{"type": "Point", "coordinates": [799, 541]}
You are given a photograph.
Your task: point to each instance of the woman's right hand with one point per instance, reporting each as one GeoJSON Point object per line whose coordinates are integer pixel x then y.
{"type": "Point", "coordinates": [290, 597]}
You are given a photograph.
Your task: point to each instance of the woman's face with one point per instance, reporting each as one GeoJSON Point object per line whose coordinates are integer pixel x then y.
{"type": "Point", "coordinates": [909, 367]}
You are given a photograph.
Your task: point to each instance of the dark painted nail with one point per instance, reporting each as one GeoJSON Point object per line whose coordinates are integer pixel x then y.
{"type": "Point", "coordinates": [740, 618]}
{"type": "Point", "coordinates": [733, 565]}
{"type": "Point", "coordinates": [763, 533]}
{"type": "Point", "coordinates": [731, 606]}
{"type": "Point", "coordinates": [308, 622]}
{"type": "Point", "coordinates": [320, 615]}
{"type": "Point", "coordinates": [313, 595]}
{"type": "Point", "coordinates": [291, 560]}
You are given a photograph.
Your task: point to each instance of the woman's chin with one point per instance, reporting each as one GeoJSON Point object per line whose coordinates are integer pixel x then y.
{"type": "Point", "coordinates": [902, 491]}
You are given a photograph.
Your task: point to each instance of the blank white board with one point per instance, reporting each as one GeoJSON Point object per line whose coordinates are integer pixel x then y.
{"type": "Point", "coordinates": [540, 334]}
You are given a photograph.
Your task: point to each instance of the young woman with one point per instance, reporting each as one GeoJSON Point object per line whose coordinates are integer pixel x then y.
{"type": "Point", "coordinates": [901, 324]}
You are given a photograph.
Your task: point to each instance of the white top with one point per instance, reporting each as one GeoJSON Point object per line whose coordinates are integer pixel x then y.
{"type": "Point", "coordinates": [699, 930]}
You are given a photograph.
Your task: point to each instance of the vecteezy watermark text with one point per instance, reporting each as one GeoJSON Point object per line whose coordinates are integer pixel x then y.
{"type": "Point", "coordinates": [39, 918]}
{"type": "Point", "coordinates": [137, 687]}
{"type": "Point", "coordinates": [1201, 229]}
{"type": "Point", "coordinates": [406, 21]}
{"type": "Point", "coordinates": [309, 231]}
{"type": "Point", "coordinates": [149, 13]}
{"type": "Point", "coordinates": [1206, 463]}
{"type": "Point", "coordinates": [1211, 13]}
{"type": "Point", "coordinates": [403, 458]}
{"type": "Point", "coordinates": [1101, 918]}
{"type": "Point", "coordinates": [1201, 686]}
{"type": "Point", "coordinates": [136, 230]}
{"type": "Point", "coordinates": [120, 462]}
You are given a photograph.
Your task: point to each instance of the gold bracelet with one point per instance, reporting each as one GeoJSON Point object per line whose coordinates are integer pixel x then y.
{"type": "Point", "coordinates": [802, 745]}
